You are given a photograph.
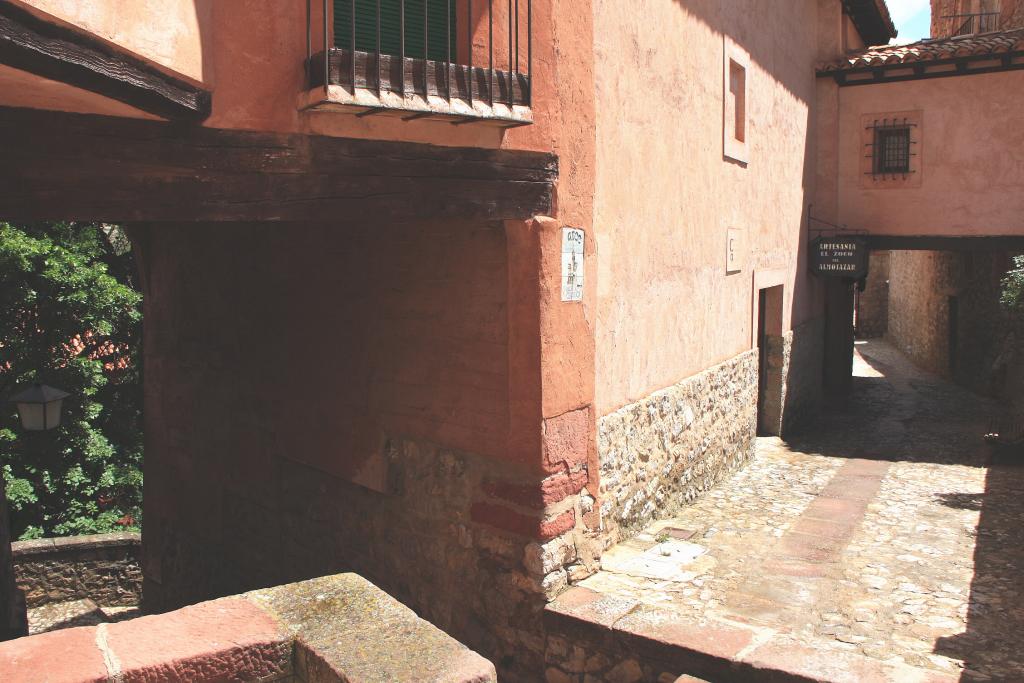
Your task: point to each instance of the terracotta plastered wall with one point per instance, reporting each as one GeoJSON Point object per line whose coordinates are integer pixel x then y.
{"type": "Point", "coordinates": [666, 196]}
{"type": "Point", "coordinates": [250, 54]}
{"type": "Point", "coordinates": [674, 320]}
{"type": "Point", "coordinates": [970, 169]}
{"type": "Point", "coordinates": [367, 397]}
{"type": "Point", "coordinates": [171, 33]}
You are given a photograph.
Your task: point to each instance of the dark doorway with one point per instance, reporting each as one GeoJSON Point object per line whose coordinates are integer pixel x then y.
{"type": "Point", "coordinates": [770, 361]}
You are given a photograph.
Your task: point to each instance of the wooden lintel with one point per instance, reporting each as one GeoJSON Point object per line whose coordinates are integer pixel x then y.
{"type": "Point", "coordinates": [60, 166]}
{"type": "Point", "coordinates": [69, 55]}
{"type": "Point", "coordinates": [943, 243]}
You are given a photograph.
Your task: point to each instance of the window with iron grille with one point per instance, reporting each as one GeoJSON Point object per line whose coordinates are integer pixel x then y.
{"type": "Point", "coordinates": [891, 147]}
{"type": "Point", "coordinates": [892, 150]}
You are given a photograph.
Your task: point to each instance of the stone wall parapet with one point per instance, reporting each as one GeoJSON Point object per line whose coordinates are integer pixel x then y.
{"type": "Point", "coordinates": [331, 629]}
{"type": "Point", "coordinates": [102, 567]}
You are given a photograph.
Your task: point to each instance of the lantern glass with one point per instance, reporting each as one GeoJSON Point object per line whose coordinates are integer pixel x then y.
{"type": "Point", "coordinates": [52, 414]}
{"type": "Point", "coordinates": [33, 416]}
{"type": "Point", "coordinates": [39, 407]}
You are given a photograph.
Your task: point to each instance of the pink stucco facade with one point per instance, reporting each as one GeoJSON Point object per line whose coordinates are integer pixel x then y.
{"type": "Point", "coordinates": [414, 399]}
{"type": "Point", "coordinates": [666, 195]}
{"type": "Point", "coordinates": [970, 167]}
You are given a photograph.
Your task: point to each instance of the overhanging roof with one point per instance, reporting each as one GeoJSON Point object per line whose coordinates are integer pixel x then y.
{"type": "Point", "coordinates": [871, 17]}
{"type": "Point", "coordinates": [931, 58]}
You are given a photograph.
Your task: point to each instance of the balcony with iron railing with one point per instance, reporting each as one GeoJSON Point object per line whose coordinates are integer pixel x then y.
{"type": "Point", "coordinates": [464, 61]}
{"type": "Point", "coordinates": [970, 24]}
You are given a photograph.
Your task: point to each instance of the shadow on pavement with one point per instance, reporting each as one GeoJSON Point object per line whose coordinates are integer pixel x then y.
{"type": "Point", "coordinates": [899, 413]}
{"type": "Point", "coordinates": [990, 646]}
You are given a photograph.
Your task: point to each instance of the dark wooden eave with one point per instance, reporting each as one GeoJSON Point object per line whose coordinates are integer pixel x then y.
{"type": "Point", "coordinates": [63, 53]}
{"type": "Point", "coordinates": [871, 17]}
{"type": "Point", "coordinates": [59, 166]}
{"type": "Point", "coordinates": [925, 69]}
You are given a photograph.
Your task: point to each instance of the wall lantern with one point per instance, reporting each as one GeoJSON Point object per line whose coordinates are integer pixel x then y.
{"type": "Point", "coordinates": [39, 407]}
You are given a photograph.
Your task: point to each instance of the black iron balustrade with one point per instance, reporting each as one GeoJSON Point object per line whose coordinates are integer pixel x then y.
{"type": "Point", "coordinates": [969, 24]}
{"type": "Point", "coordinates": [421, 47]}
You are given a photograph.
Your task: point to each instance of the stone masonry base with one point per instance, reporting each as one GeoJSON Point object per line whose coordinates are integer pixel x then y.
{"type": "Point", "coordinates": [473, 546]}
{"type": "Point", "coordinates": [103, 568]}
{"type": "Point", "coordinates": [666, 449]}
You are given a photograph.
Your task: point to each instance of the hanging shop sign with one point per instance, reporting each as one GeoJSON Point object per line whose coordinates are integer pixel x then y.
{"type": "Point", "coordinates": [840, 256]}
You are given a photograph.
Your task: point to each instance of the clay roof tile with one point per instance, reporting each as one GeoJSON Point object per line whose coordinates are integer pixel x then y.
{"type": "Point", "coordinates": [997, 42]}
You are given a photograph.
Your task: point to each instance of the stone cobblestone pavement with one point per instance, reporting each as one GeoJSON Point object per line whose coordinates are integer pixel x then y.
{"type": "Point", "coordinates": [885, 532]}
{"type": "Point", "coordinates": [58, 615]}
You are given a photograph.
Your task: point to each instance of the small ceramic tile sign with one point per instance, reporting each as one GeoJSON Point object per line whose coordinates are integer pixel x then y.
{"type": "Point", "coordinates": [572, 264]}
{"type": "Point", "coordinates": [734, 251]}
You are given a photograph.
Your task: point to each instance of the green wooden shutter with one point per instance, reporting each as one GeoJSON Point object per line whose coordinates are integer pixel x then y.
{"type": "Point", "coordinates": [439, 27]}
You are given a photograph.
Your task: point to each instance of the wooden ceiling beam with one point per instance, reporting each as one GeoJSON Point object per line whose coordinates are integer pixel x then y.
{"type": "Point", "coordinates": [60, 166]}
{"type": "Point", "coordinates": [66, 54]}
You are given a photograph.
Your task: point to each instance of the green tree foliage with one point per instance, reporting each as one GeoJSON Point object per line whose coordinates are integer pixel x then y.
{"type": "Point", "coordinates": [70, 316]}
{"type": "Point", "coordinates": [1013, 288]}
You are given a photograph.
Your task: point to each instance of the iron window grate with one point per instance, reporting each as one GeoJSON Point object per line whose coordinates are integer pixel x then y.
{"type": "Point", "coordinates": [892, 148]}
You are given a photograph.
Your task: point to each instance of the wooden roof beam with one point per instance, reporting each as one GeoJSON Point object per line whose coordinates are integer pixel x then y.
{"type": "Point", "coordinates": [59, 52]}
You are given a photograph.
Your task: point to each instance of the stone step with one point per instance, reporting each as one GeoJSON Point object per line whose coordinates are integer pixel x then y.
{"type": "Point", "coordinates": [658, 640]}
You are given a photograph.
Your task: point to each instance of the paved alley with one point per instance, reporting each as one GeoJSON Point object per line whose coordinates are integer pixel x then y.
{"type": "Point", "coordinates": [881, 538]}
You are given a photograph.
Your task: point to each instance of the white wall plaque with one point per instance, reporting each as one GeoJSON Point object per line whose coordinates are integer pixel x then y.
{"type": "Point", "coordinates": [734, 251]}
{"type": "Point", "coordinates": [572, 264]}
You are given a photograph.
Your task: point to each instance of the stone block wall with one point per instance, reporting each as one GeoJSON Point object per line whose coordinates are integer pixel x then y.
{"type": "Point", "coordinates": [986, 354]}
{"type": "Point", "coordinates": [324, 398]}
{"type": "Point", "coordinates": [666, 449]}
{"type": "Point", "coordinates": [104, 568]}
{"type": "Point", "coordinates": [920, 284]}
{"type": "Point", "coordinates": [873, 302]}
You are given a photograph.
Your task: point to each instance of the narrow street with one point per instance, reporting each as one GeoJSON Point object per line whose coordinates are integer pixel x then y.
{"type": "Point", "coordinates": [882, 535]}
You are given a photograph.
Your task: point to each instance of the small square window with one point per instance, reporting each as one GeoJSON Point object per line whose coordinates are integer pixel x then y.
{"type": "Point", "coordinates": [738, 100]}
{"type": "Point", "coordinates": [736, 108]}
{"type": "Point", "coordinates": [892, 151]}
